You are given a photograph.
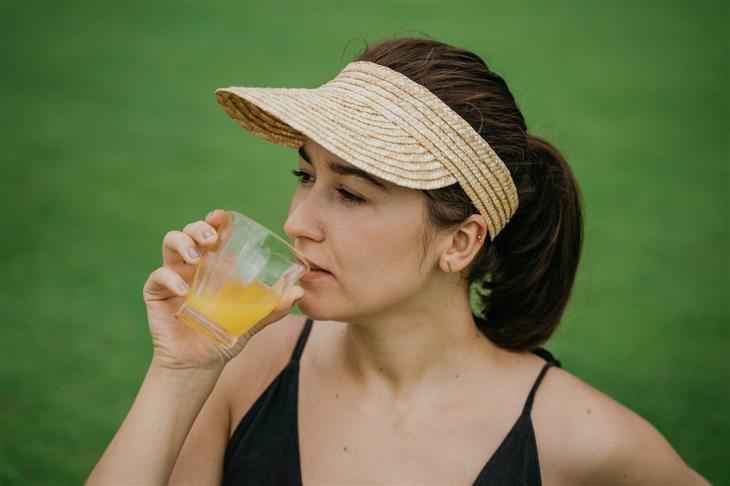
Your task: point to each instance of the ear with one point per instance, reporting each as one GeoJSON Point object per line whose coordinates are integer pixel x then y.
{"type": "Point", "coordinates": [466, 241]}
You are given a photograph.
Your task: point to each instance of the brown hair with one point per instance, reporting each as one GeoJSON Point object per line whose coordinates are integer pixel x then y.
{"type": "Point", "coordinates": [523, 278]}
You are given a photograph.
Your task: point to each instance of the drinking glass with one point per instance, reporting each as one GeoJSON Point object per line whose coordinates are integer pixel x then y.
{"type": "Point", "coordinates": [240, 280]}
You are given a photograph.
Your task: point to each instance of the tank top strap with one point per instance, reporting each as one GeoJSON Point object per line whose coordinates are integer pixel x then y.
{"type": "Point", "coordinates": [299, 348]}
{"type": "Point", "coordinates": [531, 396]}
{"type": "Point", "coordinates": [547, 356]}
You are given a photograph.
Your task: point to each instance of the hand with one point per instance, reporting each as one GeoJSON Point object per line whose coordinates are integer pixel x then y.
{"type": "Point", "coordinates": [175, 344]}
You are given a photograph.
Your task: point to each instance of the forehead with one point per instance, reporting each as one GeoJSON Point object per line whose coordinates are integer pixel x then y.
{"type": "Point", "coordinates": [316, 155]}
{"type": "Point", "coordinates": [404, 204]}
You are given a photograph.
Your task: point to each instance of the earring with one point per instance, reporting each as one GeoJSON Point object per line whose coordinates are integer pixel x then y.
{"type": "Point", "coordinates": [479, 237]}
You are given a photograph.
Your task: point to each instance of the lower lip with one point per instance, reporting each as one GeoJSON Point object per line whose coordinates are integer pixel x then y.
{"type": "Point", "coordinates": [314, 275]}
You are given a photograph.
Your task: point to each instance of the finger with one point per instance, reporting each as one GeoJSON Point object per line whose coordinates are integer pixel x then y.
{"type": "Point", "coordinates": [215, 217]}
{"type": "Point", "coordinates": [178, 247]}
{"type": "Point", "coordinates": [290, 298]}
{"type": "Point", "coordinates": [162, 284]}
{"type": "Point", "coordinates": [204, 234]}
{"type": "Point", "coordinates": [284, 307]}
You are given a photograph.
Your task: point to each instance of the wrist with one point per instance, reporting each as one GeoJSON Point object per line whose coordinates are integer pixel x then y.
{"type": "Point", "coordinates": [163, 361]}
{"type": "Point", "coordinates": [182, 383]}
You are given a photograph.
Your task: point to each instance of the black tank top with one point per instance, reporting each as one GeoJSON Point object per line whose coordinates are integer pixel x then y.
{"type": "Point", "coordinates": [264, 449]}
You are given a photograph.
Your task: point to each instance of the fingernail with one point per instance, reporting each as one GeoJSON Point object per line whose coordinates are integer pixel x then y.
{"type": "Point", "coordinates": [193, 252]}
{"type": "Point", "coordinates": [210, 214]}
{"type": "Point", "coordinates": [208, 235]}
{"type": "Point", "coordinates": [182, 286]}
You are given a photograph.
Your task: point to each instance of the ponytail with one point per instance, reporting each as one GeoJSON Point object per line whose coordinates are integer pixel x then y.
{"type": "Point", "coordinates": [531, 264]}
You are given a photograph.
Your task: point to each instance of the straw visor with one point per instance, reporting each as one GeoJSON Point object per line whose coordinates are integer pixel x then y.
{"type": "Point", "coordinates": [381, 121]}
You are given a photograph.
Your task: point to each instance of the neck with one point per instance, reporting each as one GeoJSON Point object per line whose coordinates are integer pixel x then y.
{"type": "Point", "coordinates": [423, 343]}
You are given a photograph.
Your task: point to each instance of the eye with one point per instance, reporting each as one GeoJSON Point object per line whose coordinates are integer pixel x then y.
{"type": "Point", "coordinates": [348, 197]}
{"type": "Point", "coordinates": [301, 175]}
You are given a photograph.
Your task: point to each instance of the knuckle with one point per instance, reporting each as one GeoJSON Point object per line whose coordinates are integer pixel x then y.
{"type": "Point", "coordinates": [158, 274]}
{"type": "Point", "coordinates": [168, 273]}
{"type": "Point", "coordinates": [174, 238]}
{"type": "Point", "coordinates": [178, 241]}
{"type": "Point", "coordinates": [169, 236]}
{"type": "Point", "coordinates": [191, 227]}
{"type": "Point", "coordinates": [152, 280]}
{"type": "Point", "coordinates": [168, 278]}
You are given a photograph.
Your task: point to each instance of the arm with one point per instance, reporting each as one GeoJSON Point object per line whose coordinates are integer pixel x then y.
{"type": "Point", "coordinates": [198, 459]}
{"type": "Point", "coordinates": [147, 444]}
{"type": "Point", "coordinates": [242, 382]}
{"type": "Point", "coordinates": [184, 370]}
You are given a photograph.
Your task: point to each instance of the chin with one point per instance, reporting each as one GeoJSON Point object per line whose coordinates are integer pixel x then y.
{"type": "Point", "coordinates": [319, 309]}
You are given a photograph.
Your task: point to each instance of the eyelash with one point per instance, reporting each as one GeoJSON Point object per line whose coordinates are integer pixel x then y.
{"type": "Point", "coordinates": [344, 194]}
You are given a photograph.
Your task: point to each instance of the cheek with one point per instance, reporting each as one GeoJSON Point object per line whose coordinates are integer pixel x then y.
{"type": "Point", "coordinates": [380, 262]}
{"type": "Point", "coordinates": [377, 267]}
{"type": "Point", "coordinates": [375, 278]}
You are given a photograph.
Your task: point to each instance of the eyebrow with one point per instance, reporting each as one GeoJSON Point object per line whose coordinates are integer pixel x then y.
{"type": "Point", "coordinates": [346, 171]}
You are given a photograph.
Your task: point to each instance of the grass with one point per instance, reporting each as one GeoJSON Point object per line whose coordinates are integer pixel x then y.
{"type": "Point", "coordinates": [111, 136]}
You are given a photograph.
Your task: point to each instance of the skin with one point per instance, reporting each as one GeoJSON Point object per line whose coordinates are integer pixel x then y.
{"type": "Point", "coordinates": [395, 372]}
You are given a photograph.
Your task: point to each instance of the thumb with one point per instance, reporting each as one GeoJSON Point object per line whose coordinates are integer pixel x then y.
{"type": "Point", "coordinates": [287, 301]}
{"type": "Point", "coordinates": [290, 297]}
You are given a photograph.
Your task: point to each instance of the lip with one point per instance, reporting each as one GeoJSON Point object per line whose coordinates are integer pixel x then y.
{"type": "Point", "coordinates": [313, 266]}
{"type": "Point", "coordinates": [314, 275]}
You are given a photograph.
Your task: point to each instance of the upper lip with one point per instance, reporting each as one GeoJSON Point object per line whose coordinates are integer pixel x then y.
{"type": "Point", "coordinates": [314, 266]}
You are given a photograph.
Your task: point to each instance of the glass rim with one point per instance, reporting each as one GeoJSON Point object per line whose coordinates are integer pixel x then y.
{"type": "Point", "coordinates": [298, 256]}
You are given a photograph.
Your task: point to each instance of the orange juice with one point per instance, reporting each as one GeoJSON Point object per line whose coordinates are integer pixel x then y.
{"type": "Point", "coordinates": [237, 306]}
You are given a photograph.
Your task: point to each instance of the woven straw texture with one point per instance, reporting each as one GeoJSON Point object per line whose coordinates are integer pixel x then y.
{"type": "Point", "coordinates": [381, 121]}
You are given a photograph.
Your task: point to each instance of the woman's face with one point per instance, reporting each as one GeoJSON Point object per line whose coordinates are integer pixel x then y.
{"type": "Point", "coordinates": [370, 246]}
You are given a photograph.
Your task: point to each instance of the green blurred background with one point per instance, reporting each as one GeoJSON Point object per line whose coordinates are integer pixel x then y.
{"type": "Point", "coordinates": [111, 136]}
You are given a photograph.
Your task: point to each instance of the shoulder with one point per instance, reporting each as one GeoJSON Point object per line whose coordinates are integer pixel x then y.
{"type": "Point", "coordinates": [584, 436]}
{"type": "Point", "coordinates": [250, 372]}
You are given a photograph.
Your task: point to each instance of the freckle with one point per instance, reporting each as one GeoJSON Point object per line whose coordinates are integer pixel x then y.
{"type": "Point", "coordinates": [589, 411]}
{"type": "Point", "coordinates": [344, 448]}
{"type": "Point", "coordinates": [456, 376]}
{"type": "Point", "coordinates": [336, 395]}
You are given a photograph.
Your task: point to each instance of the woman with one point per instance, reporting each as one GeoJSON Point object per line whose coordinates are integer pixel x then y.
{"type": "Point", "coordinates": [418, 184]}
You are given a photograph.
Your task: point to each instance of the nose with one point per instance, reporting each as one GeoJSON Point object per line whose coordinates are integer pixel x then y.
{"type": "Point", "coordinates": [304, 220]}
